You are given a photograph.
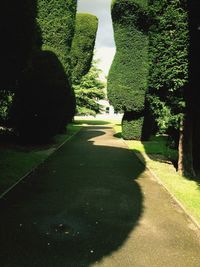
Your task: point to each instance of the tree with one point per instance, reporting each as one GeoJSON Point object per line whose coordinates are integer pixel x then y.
{"type": "Point", "coordinates": [192, 96]}
{"type": "Point", "coordinates": [127, 81]}
{"type": "Point", "coordinates": [89, 91]}
{"type": "Point", "coordinates": [83, 45]}
{"type": "Point", "coordinates": [168, 74]}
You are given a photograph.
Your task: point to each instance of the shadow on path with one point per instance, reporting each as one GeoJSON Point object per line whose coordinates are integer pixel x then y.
{"type": "Point", "coordinates": [78, 207]}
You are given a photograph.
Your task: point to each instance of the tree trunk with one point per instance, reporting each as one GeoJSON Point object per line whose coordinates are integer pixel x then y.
{"type": "Point", "coordinates": [185, 150]}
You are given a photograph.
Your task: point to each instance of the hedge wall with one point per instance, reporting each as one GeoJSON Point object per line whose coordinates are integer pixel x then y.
{"type": "Point", "coordinates": [127, 81]}
{"type": "Point", "coordinates": [43, 101]}
{"type": "Point", "coordinates": [56, 19]}
{"type": "Point", "coordinates": [83, 45]}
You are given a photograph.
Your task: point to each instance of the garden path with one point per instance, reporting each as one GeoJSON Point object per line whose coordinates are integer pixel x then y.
{"type": "Point", "coordinates": [93, 203]}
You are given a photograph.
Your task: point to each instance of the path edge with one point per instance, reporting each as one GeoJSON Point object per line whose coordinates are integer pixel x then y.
{"type": "Point", "coordinates": [157, 178]}
{"type": "Point", "coordinates": [37, 166]}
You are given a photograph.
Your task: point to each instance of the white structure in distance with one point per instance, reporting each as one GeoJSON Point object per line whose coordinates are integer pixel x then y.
{"type": "Point", "coordinates": [105, 45]}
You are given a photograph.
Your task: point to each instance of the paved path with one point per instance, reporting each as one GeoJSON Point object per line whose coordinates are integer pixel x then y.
{"type": "Point", "coordinates": [93, 204]}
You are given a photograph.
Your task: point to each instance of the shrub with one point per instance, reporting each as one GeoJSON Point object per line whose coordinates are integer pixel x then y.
{"type": "Point", "coordinates": [43, 99]}
{"type": "Point", "coordinates": [127, 81]}
{"type": "Point", "coordinates": [131, 126]}
{"type": "Point", "coordinates": [83, 45]}
{"type": "Point", "coordinates": [5, 104]}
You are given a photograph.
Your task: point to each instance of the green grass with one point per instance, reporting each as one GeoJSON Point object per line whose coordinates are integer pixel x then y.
{"type": "Point", "coordinates": [17, 160]}
{"type": "Point", "coordinates": [158, 158]}
{"type": "Point", "coordinates": [88, 120]}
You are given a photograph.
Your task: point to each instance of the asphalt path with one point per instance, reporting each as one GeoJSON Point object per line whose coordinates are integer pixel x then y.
{"type": "Point", "coordinates": [93, 203]}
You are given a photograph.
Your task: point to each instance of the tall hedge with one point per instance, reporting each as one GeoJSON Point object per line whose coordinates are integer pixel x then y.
{"type": "Point", "coordinates": [83, 45]}
{"type": "Point", "coordinates": [56, 19]}
{"type": "Point", "coordinates": [42, 102]}
{"type": "Point", "coordinates": [127, 81]}
{"type": "Point", "coordinates": [168, 50]}
{"type": "Point", "coordinates": [57, 22]}
{"type": "Point", "coordinates": [17, 29]}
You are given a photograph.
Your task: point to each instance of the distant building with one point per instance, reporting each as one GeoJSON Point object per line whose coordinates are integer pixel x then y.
{"type": "Point", "coordinates": [106, 108]}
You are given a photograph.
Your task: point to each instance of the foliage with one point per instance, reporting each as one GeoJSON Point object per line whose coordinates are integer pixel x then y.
{"type": "Point", "coordinates": [168, 49]}
{"type": "Point", "coordinates": [88, 92]}
{"type": "Point", "coordinates": [42, 105]}
{"type": "Point", "coordinates": [127, 81]}
{"type": "Point", "coordinates": [5, 103]}
{"type": "Point", "coordinates": [57, 19]}
{"type": "Point", "coordinates": [131, 126]}
{"type": "Point", "coordinates": [83, 45]}
{"type": "Point", "coordinates": [17, 27]}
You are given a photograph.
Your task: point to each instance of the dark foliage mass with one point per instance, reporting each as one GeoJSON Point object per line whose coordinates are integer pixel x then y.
{"type": "Point", "coordinates": [83, 45]}
{"type": "Point", "coordinates": [17, 28]}
{"type": "Point", "coordinates": [127, 81]}
{"type": "Point", "coordinates": [42, 104]}
{"type": "Point", "coordinates": [192, 97]}
{"type": "Point", "coordinates": [43, 98]}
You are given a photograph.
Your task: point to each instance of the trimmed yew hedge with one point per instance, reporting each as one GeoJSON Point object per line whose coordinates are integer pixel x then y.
{"type": "Point", "coordinates": [42, 105]}
{"type": "Point", "coordinates": [83, 45]}
{"type": "Point", "coordinates": [57, 22]}
{"type": "Point", "coordinates": [127, 81]}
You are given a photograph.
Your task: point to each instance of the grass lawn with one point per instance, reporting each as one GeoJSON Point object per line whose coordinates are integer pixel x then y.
{"type": "Point", "coordinates": [158, 158]}
{"type": "Point", "coordinates": [17, 160]}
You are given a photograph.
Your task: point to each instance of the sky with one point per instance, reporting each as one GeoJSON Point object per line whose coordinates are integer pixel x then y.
{"type": "Point", "coordinates": [105, 45]}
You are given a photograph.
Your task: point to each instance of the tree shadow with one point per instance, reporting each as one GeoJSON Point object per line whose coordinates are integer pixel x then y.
{"type": "Point", "coordinates": [78, 207]}
{"type": "Point", "coordinates": [118, 135]}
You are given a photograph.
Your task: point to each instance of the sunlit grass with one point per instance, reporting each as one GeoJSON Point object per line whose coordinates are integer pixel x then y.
{"type": "Point", "coordinates": [158, 157]}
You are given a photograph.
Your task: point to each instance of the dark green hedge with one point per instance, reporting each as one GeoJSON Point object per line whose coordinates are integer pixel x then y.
{"type": "Point", "coordinates": [43, 99]}
{"type": "Point", "coordinates": [83, 45]}
{"type": "Point", "coordinates": [131, 123]}
{"type": "Point", "coordinates": [56, 19]}
{"type": "Point", "coordinates": [17, 28]}
{"type": "Point", "coordinates": [127, 81]}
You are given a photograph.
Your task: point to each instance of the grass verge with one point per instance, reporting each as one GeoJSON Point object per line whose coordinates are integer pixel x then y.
{"type": "Point", "coordinates": [17, 160]}
{"type": "Point", "coordinates": [158, 158]}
